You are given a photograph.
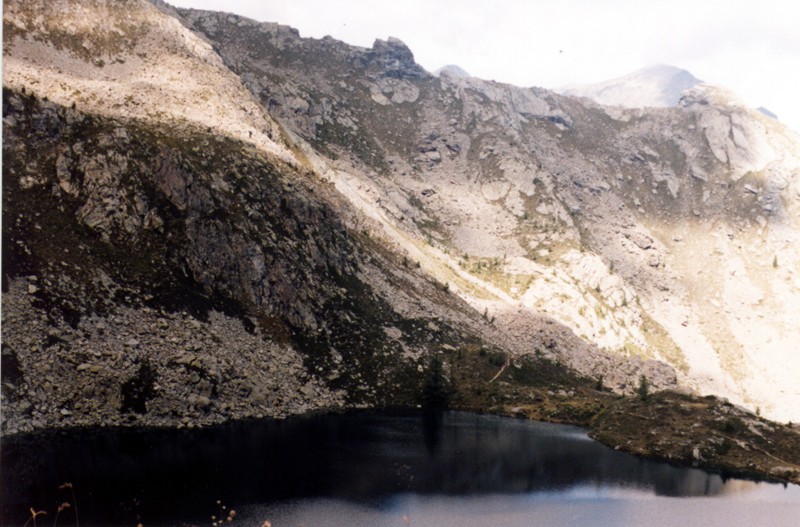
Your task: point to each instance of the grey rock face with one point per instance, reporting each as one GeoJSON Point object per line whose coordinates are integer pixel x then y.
{"type": "Point", "coordinates": [394, 59]}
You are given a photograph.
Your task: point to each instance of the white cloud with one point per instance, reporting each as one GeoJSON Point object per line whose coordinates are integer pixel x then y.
{"type": "Point", "coordinates": [752, 48]}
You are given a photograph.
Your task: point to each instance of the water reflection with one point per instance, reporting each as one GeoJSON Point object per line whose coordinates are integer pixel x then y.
{"type": "Point", "coordinates": [372, 459]}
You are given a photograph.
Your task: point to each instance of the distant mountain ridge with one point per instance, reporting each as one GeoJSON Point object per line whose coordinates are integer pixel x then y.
{"type": "Point", "coordinates": [453, 70]}
{"type": "Point", "coordinates": [654, 86]}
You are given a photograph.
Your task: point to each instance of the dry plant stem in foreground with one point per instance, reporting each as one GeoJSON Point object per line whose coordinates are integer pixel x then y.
{"type": "Point", "coordinates": [33, 517]}
{"type": "Point", "coordinates": [63, 506]}
{"type": "Point", "coordinates": [69, 486]}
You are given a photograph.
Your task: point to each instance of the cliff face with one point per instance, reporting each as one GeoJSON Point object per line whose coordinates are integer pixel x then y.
{"type": "Point", "coordinates": [205, 217]}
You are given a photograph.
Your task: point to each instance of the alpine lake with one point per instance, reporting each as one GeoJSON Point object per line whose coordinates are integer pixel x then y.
{"type": "Point", "coordinates": [369, 469]}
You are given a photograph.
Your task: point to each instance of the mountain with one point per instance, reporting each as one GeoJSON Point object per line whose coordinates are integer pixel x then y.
{"type": "Point", "coordinates": [452, 70]}
{"type": "Point", "coordinates": [173, 255]}
{"type": "Point", "coordinates": [530, 203]}
{"type": "Point", "coordinates": [206, 217]}
{"type": "Point", "coordinates": [656, 86]}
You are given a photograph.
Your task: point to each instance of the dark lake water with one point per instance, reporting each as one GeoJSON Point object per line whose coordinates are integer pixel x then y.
{"type": "Point", "coordinates": [372, 470]}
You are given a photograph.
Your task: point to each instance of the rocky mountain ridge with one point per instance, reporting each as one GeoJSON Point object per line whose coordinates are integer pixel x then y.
{"type": "Point", "coordinates": [536, 202]}
{"type": "Point", "coordinates": [306, 224]}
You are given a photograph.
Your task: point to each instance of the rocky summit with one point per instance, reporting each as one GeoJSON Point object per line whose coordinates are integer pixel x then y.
{"type": "Point", "coordinates": [207, 217]}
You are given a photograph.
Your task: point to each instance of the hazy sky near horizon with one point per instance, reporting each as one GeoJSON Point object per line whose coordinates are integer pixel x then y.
{"type": "Point", "coordinates": [750, 47]}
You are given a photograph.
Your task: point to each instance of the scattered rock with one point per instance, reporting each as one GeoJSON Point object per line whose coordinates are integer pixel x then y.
{"type": "Point", "coordinates": [200, 402]}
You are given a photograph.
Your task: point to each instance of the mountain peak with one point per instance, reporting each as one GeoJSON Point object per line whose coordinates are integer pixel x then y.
{"type": "Point", "coordinates": [453, 71]}
{"type": "Point", "coordinates": [660, 85]}
{"type": "Point", "coordinates": [396, 59]}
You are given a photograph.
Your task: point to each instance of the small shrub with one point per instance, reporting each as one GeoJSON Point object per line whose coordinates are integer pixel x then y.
{"type": "Point", "coordinates": [733, 425]}
{"type": "Point", "coordinates": [644, 388]}
{"type": "Point", "coordinates": [599, 385]}
{"type": "Point", "coordinates": [137, 390]}
{"type": "Point", "coordinates": [497, 358]}
{"type": "Point", "coordinates": [435, 392]}
{"type": "Point", "coordinates": [724, 447]}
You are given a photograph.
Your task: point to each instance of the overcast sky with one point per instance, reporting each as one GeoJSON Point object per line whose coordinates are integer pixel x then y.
{"type": "Point", "coordinates": [751, 47]}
